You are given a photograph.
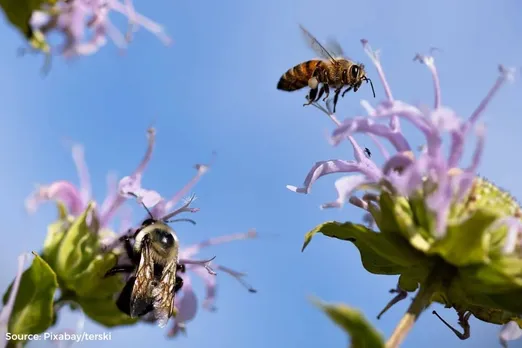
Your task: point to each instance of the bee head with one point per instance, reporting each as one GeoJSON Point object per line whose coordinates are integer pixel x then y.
{"type": "Point", "coordinates": [358, 74]}
{"type": "Point", "coordinates": [162, 239]}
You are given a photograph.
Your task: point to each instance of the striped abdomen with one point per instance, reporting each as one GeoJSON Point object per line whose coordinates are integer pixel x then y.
{"type": "Point", "coordinates": [297, 77]}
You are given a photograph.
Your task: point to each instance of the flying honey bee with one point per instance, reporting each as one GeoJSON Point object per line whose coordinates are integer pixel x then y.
{"type": "Point", "coordinates": [331, 72]}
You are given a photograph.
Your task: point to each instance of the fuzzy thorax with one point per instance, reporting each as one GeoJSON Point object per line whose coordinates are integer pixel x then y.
{"type": "Point", "coordinates": [163, 242]}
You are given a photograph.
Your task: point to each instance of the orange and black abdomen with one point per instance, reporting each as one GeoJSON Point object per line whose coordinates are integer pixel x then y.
{"type": "Point", "coordinates": [297, 77]}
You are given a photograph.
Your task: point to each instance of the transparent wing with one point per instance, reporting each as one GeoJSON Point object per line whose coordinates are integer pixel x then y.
{"type": "Point", "coordinates": [140, 298]}
{"type": "Point", "coordinates": [334, 47]}
{"type": "Point", "coordinates": [315, 45]}
{"type": "Point", "coordinates": [163, 294]}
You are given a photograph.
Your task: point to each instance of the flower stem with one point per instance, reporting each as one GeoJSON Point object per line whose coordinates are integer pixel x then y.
{"type": "Point", "coordinates": [420, 303]}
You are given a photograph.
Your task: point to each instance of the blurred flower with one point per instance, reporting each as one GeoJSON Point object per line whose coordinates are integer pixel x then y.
{"type": "Point", "coordinates": [85, 25]}
{"type": "Point", "coordinates": [5, 314]}
{"type": "Point", "coordinates": [442, 228]}
{"type": "Point", "coordinates": [76, 198]}
{"type": "Point", "coordinates": [511, 331]}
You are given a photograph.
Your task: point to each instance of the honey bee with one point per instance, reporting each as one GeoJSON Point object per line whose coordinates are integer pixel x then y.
{"type": "Point", "coordinates": [331, 72]}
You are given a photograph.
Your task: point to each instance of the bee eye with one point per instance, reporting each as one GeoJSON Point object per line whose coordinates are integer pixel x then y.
{"type": "Point", "coordinates": [165, 239]}
{"type": "Point", "coordinates": [354, 71]}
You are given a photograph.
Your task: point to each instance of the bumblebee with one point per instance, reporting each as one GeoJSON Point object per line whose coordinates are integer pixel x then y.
{"type": "Point", "coordinates": [154, 254]}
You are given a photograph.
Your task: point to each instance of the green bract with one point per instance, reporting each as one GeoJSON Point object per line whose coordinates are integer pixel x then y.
{"type": "Point", "coordinates": [362, 334]}
{"type": "Point", "coordinates": [72, 249]}
{"type": "Point", "coordinates": [476, 275]}
{"type": "Point", "coordinates": [19, 12]}
{"type": "Point", "coordinates": [33, 307]}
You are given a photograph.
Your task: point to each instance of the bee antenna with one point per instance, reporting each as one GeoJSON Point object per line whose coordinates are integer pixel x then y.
{"type": "Point", "coordinates": [371, 84]}
{"type": "Point", "coordinates": [148, 211]}
{"type": "Point", "coordinates": [180, 220]}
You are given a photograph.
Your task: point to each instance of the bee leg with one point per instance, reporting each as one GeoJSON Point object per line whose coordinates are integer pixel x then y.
{"type": "Point", "coordinates": [356, 87]}
{"type": "Point", "coordinates": [181, 268]}
{"type": "Point", "coordinates": [346, 91]}
{"type": "Point", "coordinates": [120, 269]}
{"type": "Point", "coordinates": [321, 92]}
{"type": "Point", "coordinates": [336, 98]}
{"type": "Point", "coordinates": [311, 96]}
{"type": "Point", "coordinates": [327, 90]}
{"type": "Point", "coordinates": [135, 258]}
{"type": "Point", "coordinates": [179, 284]}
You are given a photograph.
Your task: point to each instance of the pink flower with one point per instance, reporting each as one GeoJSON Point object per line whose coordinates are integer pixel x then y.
{"type": "Point", "coordinates": [76, 198]}
{"type": "Point", "coordinates": [74, 19]}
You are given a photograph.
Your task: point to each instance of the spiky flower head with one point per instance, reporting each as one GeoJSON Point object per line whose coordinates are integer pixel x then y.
{"type": "Point", "coordinates": [83, 25]}
{"type": "Point", "coordinates": [81, 248]}
{"type": "Point", "coordinates": [186, 301]}
{"type": "Point", "coordinates": [446, 231]}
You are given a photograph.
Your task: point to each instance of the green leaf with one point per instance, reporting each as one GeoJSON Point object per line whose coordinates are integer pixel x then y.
{"type": "Point", "coordinates": [501, 275]}
{"type": "Point", "coordinates": [72, 256]}
{"type": "Point", "coordinates": [105, 312]}
{"type": "Point", "coordinates": [387, 222]}
{"type": "Point", "coordinates": [380, 253]}
{"type": "Point", "coordinates": [466, 243]}
{"type": "Point", "coordinates": [91, 282]}
{"type": "Point", "coordinates": [409, 282]}
{"type": "Point", "coordinates": [19, 12]}
{"type": "Point", "coordinates": [33, 308]}
{"type": "Point", "coordinates": [55, 233]}
{"type": "Point", "coordinates": [362, 333]}
{"type": "Point", "coordinates": [408, 228]}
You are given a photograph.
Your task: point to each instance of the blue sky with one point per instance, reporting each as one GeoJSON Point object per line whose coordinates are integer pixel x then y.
{"type": "Point", "coordinates": [214, 90]}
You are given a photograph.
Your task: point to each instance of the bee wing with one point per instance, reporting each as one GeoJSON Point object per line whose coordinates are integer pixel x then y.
{"type": "Point", "coordinates": [315, 45]}
{"type": "Point", "coordinates": [163, 294]}
{"type": "Point", "coordinates": [140, 298]}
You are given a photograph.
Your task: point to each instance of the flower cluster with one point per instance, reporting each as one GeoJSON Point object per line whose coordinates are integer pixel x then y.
{"type": "Point", "coordinates": [80, 248]}
{"type": "Point", "coordinates": [438, 208]}
{"type": "Point", "coordinates": [84, 25]}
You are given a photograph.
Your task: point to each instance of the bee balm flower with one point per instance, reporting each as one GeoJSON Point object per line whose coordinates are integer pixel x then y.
{"type": "Point", "coordinates": [77, 19]}
{"type": "Point", "coordinates": [446, 231]}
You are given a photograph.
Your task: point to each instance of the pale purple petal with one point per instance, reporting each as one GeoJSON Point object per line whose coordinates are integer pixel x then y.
{"type": "Point", "coordinates": [365, 125]}
{"type": "Point", "coordinates": [62, 191]}
{"type": "Point", "coordinates": [112, 191]}
{"type": "Point", "coordinates": [514, 226]}
{"type": "Point", "coordinates": [238, 276]}
{"type": "Point", "coordinates": [481, 135]}
{"type": "Point", "coordinates": [210, 287]}
{"type": "Point", "coordinates": [192, 250]}
{"type": "Point", "coordinates": [5, 314]}
{"type": "Point", "coordinates": [429, 62]}
{"type": "Point", "coordinates": [39, 19]}
{"type": "Point", "coordinates": [323, 168]}
{"type": "Point", "coordinates": [457, 139]}
{"type": "Point", "coordinates": [187, 306]}
{"type": "Point", "coordinates": [398, 161]}
{"type": "Point", "coordinates": [345, 186]}
{"type": "Point", "coordinates": [78, 155]}
{"type": "Point", "coordinates": [143, 21]}
{"type": "Point", "coordinates": [129, 184]}
{"type": "Point", "coordinates": [184, 208]}
{"type": "Point", "coordinates": [374, 56]}
{"type": "Point", "coordinates": [510, 332]}
{"type": "Point", "coordinates": [201, 170]}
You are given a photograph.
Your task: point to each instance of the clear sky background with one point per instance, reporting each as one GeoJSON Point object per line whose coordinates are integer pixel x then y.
{"type": "Point", "coordinates": [214, 89]}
